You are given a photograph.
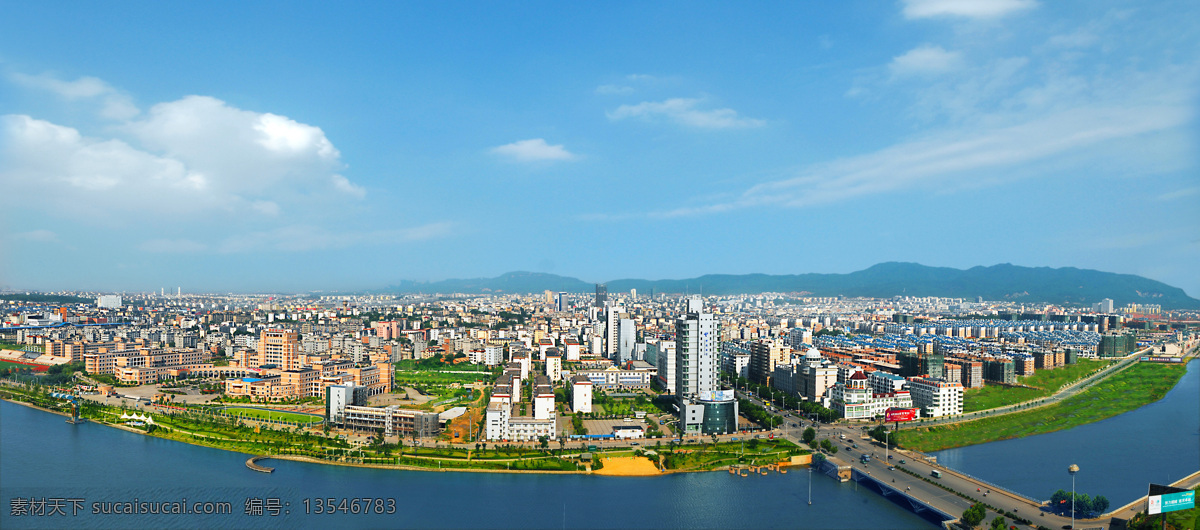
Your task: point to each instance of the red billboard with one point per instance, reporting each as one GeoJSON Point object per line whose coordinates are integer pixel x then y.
{"type": "Point", "coordinates": [900, 415]}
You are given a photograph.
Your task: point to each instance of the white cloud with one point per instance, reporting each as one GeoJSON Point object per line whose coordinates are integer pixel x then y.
{"type": "Point", "coordinates": [925, 59]}
{"type": "Point", "coordinates": [533, 150]}
{"type": "Point", "coordinates": [172, 246]}
{"type": "Point", "coordinates": [196, 154]}
{"type": "Point", "coordinates": [614, 90]}
{"type": "Point", "coordinates": [114, 104]}
{"type": "Point", "coordinates": [344, 185]}
{"type": "Point", "coordinates": [914, 9]}
{"type": "Point", "coordinates": [56, 164]}
{"type": "Point", "coordinates": [684, 112]}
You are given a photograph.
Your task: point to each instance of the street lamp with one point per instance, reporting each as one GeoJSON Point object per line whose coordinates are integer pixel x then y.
{"type": "Point", "coordinates": [886, 445]}
{"type": "Point", "coordinates": [810, 465]}
{"type": "Point", "coordinates": [1073, 470]}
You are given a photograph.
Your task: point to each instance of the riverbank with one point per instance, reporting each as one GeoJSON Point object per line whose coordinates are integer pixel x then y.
{"type": "Point", "coordinates": [305, 447]}
{"type": "Point", "coordinates": [1132, 388]}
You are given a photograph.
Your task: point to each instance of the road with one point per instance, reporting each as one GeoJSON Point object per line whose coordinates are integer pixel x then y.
{"type": "Point", "coordinates": [921, 489]}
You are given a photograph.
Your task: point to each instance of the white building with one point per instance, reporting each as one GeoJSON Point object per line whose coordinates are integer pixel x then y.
{"type": "Point", "coordinates": [661, 353]}
{"type": "Point", "coordinates": [109, 301]}
{"type": "Point", "coordinates": [501, 425]}
{"type": "Point", "coordinates": [936, 397]}
{"type": "Point", "coordinates": [852, 398]}
{"type": "Point", "coordinates": [553, 366]}
{"type": "Point", "coordinates": [581, 394]}
{"type": "Point", "coordinates": [884, 383]}
{"type": "Point", "coordinates": [543, 398]}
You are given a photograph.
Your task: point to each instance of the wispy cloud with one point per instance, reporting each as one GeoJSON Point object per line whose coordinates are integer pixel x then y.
{"type": "Point", "coordinates": [923, 60]}
{"type": "Point", "coordinates": [1179, 194]}
{"type": "Point", "coordinates": [172, 246]}
{"type": "Point", "coordinates": [684, 111]}
{"type": "Point", "coordinates": [614, 90]}
{"type": "Point", "coordinates": [533, 150]}
{"type": "Point", "coordinates": [114, 103]}
{"type": "Point", "coordinates": [305, 238]}
{"type": "Point", "coordinates": [41, 235]}
{"type": "Point", "coordinates": [978, 9]}
{"type": "Point", "coordinates": [947, 157]}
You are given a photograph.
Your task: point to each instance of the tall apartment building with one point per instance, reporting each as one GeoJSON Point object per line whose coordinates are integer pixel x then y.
{"type": "Point", "coordinates": [626, 339]}
{"type": "Point", "coordinates": [696, 345]}
{"type": "Point", "coordinates": [703, 407]}
{"type": "Point", "coordinates": [765, 355]}
{"type": "Point", "coordinates": [280, 348]}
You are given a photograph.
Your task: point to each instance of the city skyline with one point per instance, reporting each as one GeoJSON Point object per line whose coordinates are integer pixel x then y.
{"type": "Point", "coordinates": [292, 147]}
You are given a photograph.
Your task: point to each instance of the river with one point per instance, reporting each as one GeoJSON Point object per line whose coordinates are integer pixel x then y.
{"type": "Point", "coordinates": [42, 456]}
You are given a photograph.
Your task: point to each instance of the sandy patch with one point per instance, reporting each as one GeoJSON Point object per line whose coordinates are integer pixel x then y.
{"type": "Point", "coordinates": [628, 466]}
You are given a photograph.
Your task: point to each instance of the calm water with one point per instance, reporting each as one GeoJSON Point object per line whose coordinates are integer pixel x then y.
{"type": "Point", "coordinates": [1117, 457]}
{"type": "Point", "coordinates": [42, 456]}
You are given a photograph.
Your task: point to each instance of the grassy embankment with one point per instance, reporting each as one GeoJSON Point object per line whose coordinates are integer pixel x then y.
{"type": "Point", "coordinates": [224, 433]}
{"type": "Point", "coordinates": [1132, 388]}
{"type": "Point", "coordinates": [704, 457]}
{"type": "Point", "coordinates": [1046, 382]}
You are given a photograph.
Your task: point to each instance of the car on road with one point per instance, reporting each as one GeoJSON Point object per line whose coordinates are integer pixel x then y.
{"type": "Point", "coordinates": [634, 443]}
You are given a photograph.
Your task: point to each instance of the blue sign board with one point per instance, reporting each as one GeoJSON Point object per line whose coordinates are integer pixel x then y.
{"type": "Point", "coordinates": [1170, 502]}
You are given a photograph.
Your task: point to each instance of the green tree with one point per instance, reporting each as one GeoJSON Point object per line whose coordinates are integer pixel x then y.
{"type": "Point", "coordinates": [810, 434]}
{"type": "Point", "coordinates": [974, 515]}
{"type": "Point", "coordinates": [1100, 504]}
{"type": "Point", "coordinates": [999, 523]}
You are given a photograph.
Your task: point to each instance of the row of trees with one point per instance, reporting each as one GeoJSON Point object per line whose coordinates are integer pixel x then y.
{"type": "Point", "coordinates": [1084, 505]}
{"type": "Point", "coordinates": [783, 399]}
{"type": "Point", "coordinates": [977, 513]}
{"type": "Point", "coordinates": [758, 414]}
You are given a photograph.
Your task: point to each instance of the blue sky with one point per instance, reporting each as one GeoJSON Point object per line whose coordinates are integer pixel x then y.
{"type": "Point", "coordinates": [315, 146]}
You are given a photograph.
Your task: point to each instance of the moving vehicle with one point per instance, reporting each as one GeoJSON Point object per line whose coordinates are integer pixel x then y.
{"type": "Point", "coordinates": [935, 474]}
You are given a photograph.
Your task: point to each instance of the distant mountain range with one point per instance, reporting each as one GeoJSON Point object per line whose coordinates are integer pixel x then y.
{"type": "Point", "coordinates": [1067, 285]}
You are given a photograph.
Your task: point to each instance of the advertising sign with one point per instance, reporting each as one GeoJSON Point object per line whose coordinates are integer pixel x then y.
{"type": "Point", "coordinates": [716, 395]}
{"type": "Point", "coordinates": [1163, 499]}
{"type": "Point", "coordinates": [900, 415]}
{"type": "Point", "coordinates": [1172, 502]}
{"type": "Point", "coordinates": [1162, 359]}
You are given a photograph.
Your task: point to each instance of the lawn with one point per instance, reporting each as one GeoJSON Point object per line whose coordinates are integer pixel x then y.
{"type": "Point", "coordinates": [426, 377]}
{"type": "Point", "coordinates": [255, 413]}
{"type": "Point", "coordinates": [1046, 381]}
{"type": "Point", "coordinates": [1131, 388]}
